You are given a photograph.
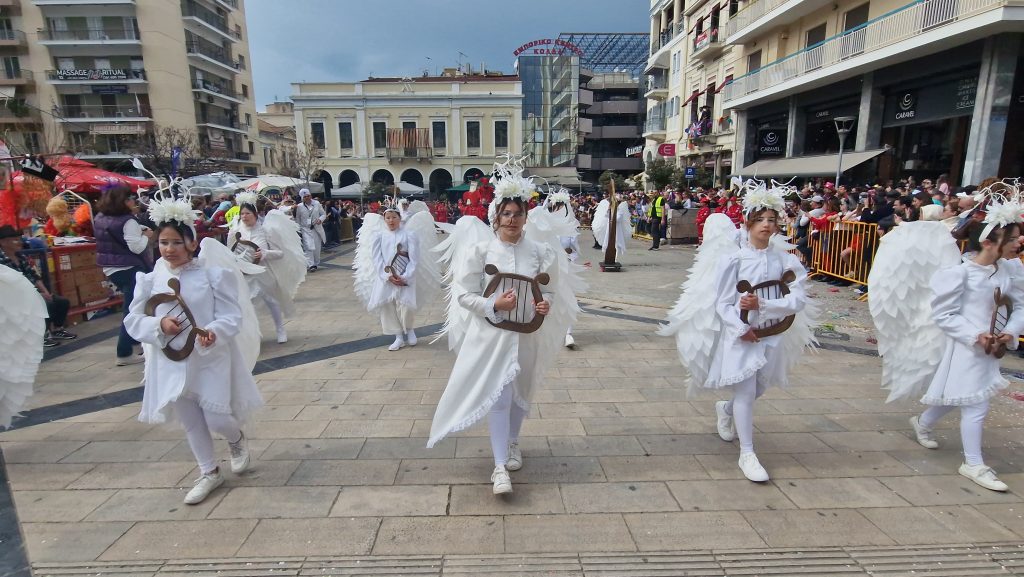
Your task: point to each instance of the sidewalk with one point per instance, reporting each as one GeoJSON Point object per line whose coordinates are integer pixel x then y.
{"type": "Point", "coordinates": [623, 473]}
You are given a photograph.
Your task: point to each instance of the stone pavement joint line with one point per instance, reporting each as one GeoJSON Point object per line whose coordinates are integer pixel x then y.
{"type": "Point", "coordinates": [946, 560]}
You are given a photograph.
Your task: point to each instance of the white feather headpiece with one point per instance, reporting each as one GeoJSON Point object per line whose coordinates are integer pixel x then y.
{"type": "Point", "coordinates": [559, 196]}
{"type": "Point", "coordinates": [246, 197]}
{"type": "Point", "coordinates": [509, 182]}
{"type": "Point", "coordinates": [164, 207]}
{"type": "Point", "coordinates": [392, 204]}
{"type": "Point", "coordinates": [1004, 207]}
{"type": "Point", "coordinates": [757, 195]}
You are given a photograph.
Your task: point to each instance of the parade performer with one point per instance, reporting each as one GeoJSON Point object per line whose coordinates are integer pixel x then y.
{"type": "Point", "coordinates": [622, 227]}
{"type": "Point", "coordinates": [23, 314]}
{"type": "Point", "coordinates": [948, 346]}
{"type": "Point", "coordinates": [201, 340]}
{"type": "Point", "coordinates": [311, 216]}
{"type": "Point", "coordinates": [278, 250]}
{"type": "Point", "coordinates": [396, 271]}
{"type": "Point", "coordinates": [758, 331]}
{"type": "Point", "coordinates": [499, 364]}
{"type": "Point", "coordinates": [702, 217]}
{"type": "Point", "coordinates": [559, 204]}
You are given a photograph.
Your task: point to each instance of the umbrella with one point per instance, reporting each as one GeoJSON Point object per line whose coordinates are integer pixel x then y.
{"type": "Point", "coordinates": [274, 181]}
{"type": "Point", "coordinates": [408, 188]}
{"type": "Point", "coordinates": [83, 177]}
{"type": "Point", "coordinates": [207, 183]}
{"type": "Point", "coordinates": [459, 188]}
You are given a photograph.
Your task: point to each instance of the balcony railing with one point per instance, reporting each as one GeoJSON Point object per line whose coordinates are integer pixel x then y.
{"type": "Point", "coordinates": [654, 124]}
{"type": "Point", "coordinates": [212, 52]}
{"type": "Point", "coordinates": [706, 42]}
{"type": "Point", "coordinates": [12, 36]}
{"type": "Point", "coordinates": [214, 87]}
{"type": "Point", "coordinates": [88, 34]}
{"type": "Point", "coordinates": [409, 143]}
{"type": "Point", "coordinates": [77, 112]}
{"type": "Point", "coordinates": [221, 120]}
{"type": "Point", "coordinates": [748, 15]}
{"type": "Point", "coordinates": [16, 75]}
{"type": "Point", "coordinates": [657, 82]}
{"type": "Point", "coordinates": [900, 24]}
{"type": "Point", "coordinates": [208, 16]}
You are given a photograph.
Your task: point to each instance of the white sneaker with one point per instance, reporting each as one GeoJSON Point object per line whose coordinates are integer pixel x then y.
{"type": "Point", "coordinates": [925, 437]}
{"type": "Point", "coordinates": [726, 424]}
{"type": "Point", "coordinates": [502, 482]}
{"type": "Point", "coordinates": [130, 360]}
{"type": "Point", "coordinates": [752, 468]}
{"type": "Point", "coordinates": [204, 486]}
{"type": "Point", "coordinates": [515, 458]}
{"type": "Point", "coordinates": [282, 336]}
{"type": "Point", "coordinates": [399, 343]}
{"type": "Point", "coordinates": [980, 474]}
{"type": "Point", "coordinates": [410, 338]}
{"type": "Point", "coordinates": [239, 455]}
{"type": "Point", "coordinates": [569, 341]}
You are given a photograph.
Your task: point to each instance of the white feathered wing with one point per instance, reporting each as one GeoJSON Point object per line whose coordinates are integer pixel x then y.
{"type": "Point", "coordinates": [469, 231]}
{"type": "Point", "coordinates": [362, 265]}
{"type": "Point", "coordinates": [290, 269]}
{"type": "Point", "coordinates": [800, 335]}
{"type": "Point", "coordinates": [23, 314]}
{"type": "Point", "coordinates": [909, 341]}
{"type": "Point", "coordinates": [428, 270]}
{"type": "Point", "coordinates": [692, 321]}
{"type": "Point", "coordinates": [213, 253]}
{"type": "Point", "coordinates": [547, 228]}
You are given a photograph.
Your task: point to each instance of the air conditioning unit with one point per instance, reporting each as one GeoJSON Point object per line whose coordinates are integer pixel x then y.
{"type": "Point", "coordinates": [209, 99]}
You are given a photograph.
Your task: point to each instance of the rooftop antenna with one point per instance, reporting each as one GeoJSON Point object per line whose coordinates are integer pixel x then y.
{"type": "Point", "coordinates": [461, 56]}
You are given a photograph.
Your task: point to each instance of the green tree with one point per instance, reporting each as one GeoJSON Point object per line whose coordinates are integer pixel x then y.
{"type": "Point", "coordinates": [607, 176]}
{"type": "Point", "coordinates": [660, 172]}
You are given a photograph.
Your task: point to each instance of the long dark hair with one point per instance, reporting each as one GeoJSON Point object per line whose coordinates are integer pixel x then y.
{"type": "Point", "coordinates": [184, 230]}
{"type": "Point", "coordinates": [112, 201]}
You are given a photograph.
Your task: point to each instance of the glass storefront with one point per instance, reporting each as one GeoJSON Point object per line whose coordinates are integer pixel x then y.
{"type": "Point", "coordinates": [550, 109]}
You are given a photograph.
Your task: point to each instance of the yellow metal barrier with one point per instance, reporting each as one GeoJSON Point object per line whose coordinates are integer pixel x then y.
{"type": "Point", "coordinates": [845, 252]}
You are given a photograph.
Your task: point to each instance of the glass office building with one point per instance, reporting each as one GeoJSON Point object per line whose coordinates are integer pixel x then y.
{"type": "Point", "coordinates": [550, 109]}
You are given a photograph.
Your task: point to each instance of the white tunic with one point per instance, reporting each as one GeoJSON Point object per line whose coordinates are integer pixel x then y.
{"type": "Point", "coordinates": [962, 305]}
{"type": "Point", "coordinates": [264, 281]}
{"type": "Point", "coordinates": [385, 246]}
{"type": "Point", "coordinates": [622, 225]}
{"type": "Point", "coordinates": [493, 358]}
{"type": "Point", "coordinates": [217, 376]}
{"type": "Point", "coordinates": [736, 360]}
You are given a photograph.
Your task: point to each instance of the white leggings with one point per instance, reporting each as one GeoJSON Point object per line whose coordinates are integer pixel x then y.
{"type": "Point", "coordinates": [972, 421]}
{"type": "Point", "coordinates": [505, 420]}
{"type": "Point", "coordinates": [396, 319]}
{"type": "Point", "coordinates": [275, 309]}
{"type": "Point", "coordinates": [198, 423]}
{"type": "Point", "coordinates": [741, 407]}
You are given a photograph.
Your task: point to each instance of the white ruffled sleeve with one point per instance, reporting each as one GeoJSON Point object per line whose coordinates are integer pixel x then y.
{"type": "Point", "coordinates": [727, 303]}
{"type": "Point", "coordinates": [947, 290]}
{"type": "Point", "coordinates": [140, 326]}
{"type": "Point", "coordinates": [413, 244]}
{"type": "Point", "coordinates": [472, 285]}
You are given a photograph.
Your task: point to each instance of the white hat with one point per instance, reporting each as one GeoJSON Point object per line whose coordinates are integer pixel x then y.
{"type": "Point", "coordinates": [817, 198]}
{"type": "Point", "coordinates": [305, 192]}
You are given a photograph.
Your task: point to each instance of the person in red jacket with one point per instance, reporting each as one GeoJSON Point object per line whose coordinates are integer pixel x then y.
{"type": "Point", "coordinates": [702, 216]}
{"type": "Point", "coordinates": [440, 211]}
{"type": "Point", "coordinates": [734, 211]}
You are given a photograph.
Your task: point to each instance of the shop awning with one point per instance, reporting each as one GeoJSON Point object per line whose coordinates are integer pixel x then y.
{"type": "Point", "coordinates": [823, 165]}
{"type": "Point", "coordinates": [563, 175]}
{"type": "Point", "coordinates": [695, 94]}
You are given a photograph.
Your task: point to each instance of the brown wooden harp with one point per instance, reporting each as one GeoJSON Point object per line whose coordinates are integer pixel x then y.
{"type": "Point", "coordinates": [244, 249]}
{"type": "Point", "coordinates": [400, 263]}
{"type": "Point", "coordinates": [1000, 316]}
{"type": "Point", "coordinates": [180, 312]}
{"type": "Point", "coordinates": [769, 290]}
{"type": "Point", "coordinates": [523, 318]}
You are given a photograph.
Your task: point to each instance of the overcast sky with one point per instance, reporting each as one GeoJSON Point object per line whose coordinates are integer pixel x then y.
{"type": "Point", "coordinates": [349, 40]}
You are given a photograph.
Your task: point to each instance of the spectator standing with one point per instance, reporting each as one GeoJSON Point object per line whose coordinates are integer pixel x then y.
{"type": "Point", "coordinates": [658, 217]}
{"type": "Point", "coordinates": [57, 307]}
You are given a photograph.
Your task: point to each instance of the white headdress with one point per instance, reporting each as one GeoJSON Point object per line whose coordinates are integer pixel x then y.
{"type": "Point", "coordinates": [509, 182]}
{"type": "Point", "coordinates": [1004, 207]}
{"type": "Point", "coordinates": [392, 204]}
{"type": "Point", "coordinates": [559, 196]}
{"type": "Point", "coordinates": [165, 206]}
{"type": "Point", "coordinates": [757, 195]}
{"type": "Point", "coordinates": [246, 197]}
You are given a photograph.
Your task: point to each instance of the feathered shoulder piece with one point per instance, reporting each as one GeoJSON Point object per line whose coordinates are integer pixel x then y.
{"type": "Point", "coordinates": [758, 195]}
{"type": "Point", "coordinates": [509, 182]}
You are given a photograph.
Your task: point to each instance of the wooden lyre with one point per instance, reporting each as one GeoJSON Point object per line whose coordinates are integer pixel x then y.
{"type": "Point", "coordinates": [181, 313]}
{"type": "Point", "coordinates": [244, 249]}
{"type": "Point", "coordinates": [769, 290]}
{"type": "Point", "coordinates": [1000, 316]}
{"type": "Point", "coordinates": [400, 263]}
{"type": "Point", "coordinates": [524, 318]}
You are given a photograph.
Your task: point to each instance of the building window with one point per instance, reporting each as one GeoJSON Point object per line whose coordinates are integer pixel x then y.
{"type": "Point", "coordinates": [241, 62]}
{"type": "Point", "coordinates": [734, 7]}
{"type": "Point", "coordinates": [345, 134]}
{"type": "Point", "coordinates": [316, 132]}
{"type": "Point", "coordinates": [709, 98]}
{"type": "Point", "coordinates": [248, 119]}
{"type": "Point", "coordinates": [473, 134]}
{"type": "Point", "coordinates": [440, 136]}
{"type": "Point", "coordinates": [252, 149]}
{"type": "Point", "coordinates": [815, 35]}
{"type": "Point", "coordinates": [754, 61]}
{"type": "Point", "coordinates": [266, 156]}
{"type": "Point", "coordinates": [501, 134]}
{"type": "Point", "coordinates": [380, 134]}
{"type": "Point", "coordinates": [238, 31]}
{"type": "Point", "coordinates": [856, 17]}
{"type": "Point", "coordinates": [245, 91]}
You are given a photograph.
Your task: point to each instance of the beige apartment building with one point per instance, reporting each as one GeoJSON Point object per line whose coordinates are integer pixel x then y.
{"type": "Point", "coordinates": [688, 68]}
{"type": "Point", "coordinates": [277, 143]}
{"type": "Point", "coordinates": [429, 131]}
{"type": "Point", "coordinates": [98, 77]}
{"type": "Point", "coordinates": [917, 88]}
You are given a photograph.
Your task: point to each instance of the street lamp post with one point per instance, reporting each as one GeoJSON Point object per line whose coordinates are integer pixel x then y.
{"type": "Point", "coordinates": [844, 124]}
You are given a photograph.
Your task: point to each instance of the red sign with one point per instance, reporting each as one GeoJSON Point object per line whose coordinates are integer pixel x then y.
{"type": "Point", "coordinates": [667, 149]}
{"type": "Point", "coordinates": [548, 47]}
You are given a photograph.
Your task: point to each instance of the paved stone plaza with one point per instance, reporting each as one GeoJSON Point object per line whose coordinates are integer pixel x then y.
{"type": "Point", "coordinates": [623, 474]}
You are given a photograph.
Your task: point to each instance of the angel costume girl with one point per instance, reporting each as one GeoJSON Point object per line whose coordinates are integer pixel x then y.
{"type": "Point", "coordinates": [560, 204]}
{"type": "Point", "coordinates": [948, 347]}
{"type": "Point", "coordinates": [212, 388]}
{"type": "Point", "coordinates": [497, 370]}
{"type": "Point", "coordinates": [280, 256]}
{"type": "Point", "coordinates": [395, 270]}
{"type": "Point", "coordinates": [23, 316]}
{"type": "Point", "coordinates": [722, 350]}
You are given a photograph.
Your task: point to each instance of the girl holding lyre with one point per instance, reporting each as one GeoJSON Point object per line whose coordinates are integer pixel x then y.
{"type": "Point", "coordinates": [509, 306]}
{"type": "Point", "coordinates": [760, 326]}
{"type": "Point", "coordinates": [272, 242]}
{"type": "Point", "coordinates": [197, 325]}
{"type": "Point", "coordinates": [395, 271]}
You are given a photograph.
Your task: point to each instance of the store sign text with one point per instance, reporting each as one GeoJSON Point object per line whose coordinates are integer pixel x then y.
{"type": "Point", "coordinates": [548, 47]}
{"type": "Point", "coordinates": [85, 74]}
{"type": "Point", "coordinates": [634, 150]}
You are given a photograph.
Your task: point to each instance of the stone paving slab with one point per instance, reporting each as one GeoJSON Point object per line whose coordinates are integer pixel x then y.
{"type": "Point", "coordinates": [623, 474]}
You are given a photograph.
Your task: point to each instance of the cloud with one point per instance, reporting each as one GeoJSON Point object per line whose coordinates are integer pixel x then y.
{"type": "Point", "coordinates": [350, 40]}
